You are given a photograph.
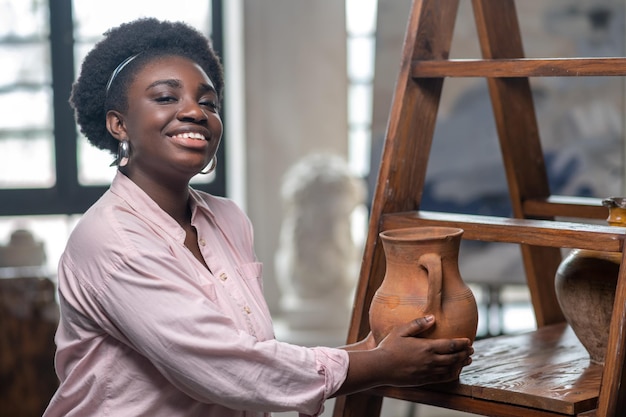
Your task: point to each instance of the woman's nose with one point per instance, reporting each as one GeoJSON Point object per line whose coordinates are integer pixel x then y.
{"type": "Point", "coordinates": [191, 110]}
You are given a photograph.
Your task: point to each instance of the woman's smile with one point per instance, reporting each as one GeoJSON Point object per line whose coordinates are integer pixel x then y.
{"type": "Point", "coordinates": [193, 140]}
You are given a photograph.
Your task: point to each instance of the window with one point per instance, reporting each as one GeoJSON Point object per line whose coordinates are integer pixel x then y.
{"type": "Point", "coordinates": [361, 29]}
{"type": "Point", "coordinates": [26, 131]}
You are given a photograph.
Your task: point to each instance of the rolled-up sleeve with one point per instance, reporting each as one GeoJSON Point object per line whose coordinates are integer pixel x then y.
{"type": "Point", "coordinates": [333, 364]}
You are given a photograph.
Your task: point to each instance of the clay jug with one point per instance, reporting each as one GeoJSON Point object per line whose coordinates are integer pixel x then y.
{"type": "Point", "coordinates": [585, 288]}
{"type": "Point", "coordinates": [422, 277]}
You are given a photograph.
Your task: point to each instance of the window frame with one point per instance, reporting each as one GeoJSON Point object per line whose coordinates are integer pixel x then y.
{"type": "Point", "coordinates": [68, 196]}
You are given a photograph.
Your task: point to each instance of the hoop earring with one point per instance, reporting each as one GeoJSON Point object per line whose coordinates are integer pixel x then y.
{"type": "Point", "coordinates": [123, 153]}
{"type": "Point", "coordinates": [212, 166]}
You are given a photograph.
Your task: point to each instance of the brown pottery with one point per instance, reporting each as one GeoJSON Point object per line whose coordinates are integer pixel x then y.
{"type": "Point", "coordinates": [422, 277]}
{"type": "Point", "coordinates": [585, 288]}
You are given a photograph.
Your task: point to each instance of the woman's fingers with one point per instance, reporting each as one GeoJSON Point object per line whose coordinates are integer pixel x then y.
{"type": "Point", "coordinates": [446, 346]}
{"type": "Point", "coordinates": [417, 326]}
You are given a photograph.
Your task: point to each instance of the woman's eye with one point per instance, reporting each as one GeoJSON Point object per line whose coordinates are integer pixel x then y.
{"type": "Point", "coordinates": [165, 99]}
{"type": "Point", "coordinates": [209, 103]}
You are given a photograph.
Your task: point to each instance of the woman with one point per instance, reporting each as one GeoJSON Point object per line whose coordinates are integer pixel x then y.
{"type": "Point", "coordinates": [160, 291]}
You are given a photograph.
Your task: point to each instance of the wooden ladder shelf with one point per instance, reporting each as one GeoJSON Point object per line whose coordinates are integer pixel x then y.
{"type": "Point", "coordinates": [543, 373]}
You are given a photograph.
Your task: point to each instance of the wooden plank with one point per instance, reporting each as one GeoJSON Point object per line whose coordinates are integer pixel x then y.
{"type": "Point", "coordinates": [407, 143]}
{"type": "Point", "coordinates": [468, 404]}
{"type": "Point", "coordinates": [522, 231]}
{"type": "Point", "coordinates": [404, 160]}
{"type": "Point", "coordinates": [613, 395]}
{"type": "Point", "coordinates": [361, 404]}
{"type": "Point", "coordinates": [566, 206]}
{"type": "Point", "coordinates": [514, 112]}
{"type": "Point", "coordinates": [519, 67]}
{"type": "Point", "coordinates": [534, 374]}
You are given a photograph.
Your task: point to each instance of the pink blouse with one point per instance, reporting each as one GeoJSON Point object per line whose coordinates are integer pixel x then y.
{"type": "Point", "coordinates": [147, 330]}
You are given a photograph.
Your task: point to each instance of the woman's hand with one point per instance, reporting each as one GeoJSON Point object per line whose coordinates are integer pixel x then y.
{"type": "Point", "coordinates": [401, 359]}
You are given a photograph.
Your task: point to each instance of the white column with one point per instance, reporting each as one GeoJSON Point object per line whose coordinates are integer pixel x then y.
{"type": "Point", "coordinates": [295, 90]}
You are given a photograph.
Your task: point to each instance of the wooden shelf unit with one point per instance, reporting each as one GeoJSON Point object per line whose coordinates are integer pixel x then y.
{"type": "Point", "coordinates": [545, 372]}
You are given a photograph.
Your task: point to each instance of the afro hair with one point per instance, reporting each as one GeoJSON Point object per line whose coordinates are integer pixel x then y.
{"type": "Point", "coordinates": [146, 39]}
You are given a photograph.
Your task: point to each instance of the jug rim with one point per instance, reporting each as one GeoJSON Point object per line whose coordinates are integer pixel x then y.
{"type": "Point", "coordinates": [421, 233]}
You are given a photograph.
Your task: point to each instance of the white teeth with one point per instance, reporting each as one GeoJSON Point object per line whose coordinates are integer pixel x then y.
{"type": "Point", "coordinates": [191, 135]}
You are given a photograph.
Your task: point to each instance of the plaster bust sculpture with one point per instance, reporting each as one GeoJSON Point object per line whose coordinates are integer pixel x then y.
{"type": "Point", "coordinates": [317, 259]}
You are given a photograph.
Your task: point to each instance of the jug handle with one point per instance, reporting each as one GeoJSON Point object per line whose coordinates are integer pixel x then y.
{"type": "Point", "coordinates": [431, 262]}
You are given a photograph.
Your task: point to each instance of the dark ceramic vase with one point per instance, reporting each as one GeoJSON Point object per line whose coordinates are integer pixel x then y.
{"type": "Point", "coordinates": [422, 277]}
{"type": "Point", "coordinates": [585, 288]}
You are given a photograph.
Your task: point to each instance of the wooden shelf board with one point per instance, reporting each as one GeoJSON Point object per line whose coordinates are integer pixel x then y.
{"type": "Point", "coordinates": [520, 67]}
{"type": "Point", "coordinates": [525, 231]}
{"type": "Point", "coordinates": [536, 374]}
{"type": "Point", "coordinates": [566, 206]}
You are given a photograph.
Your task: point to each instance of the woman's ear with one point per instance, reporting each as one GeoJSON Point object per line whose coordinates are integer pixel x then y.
{"type": "Point", "coordinates": [115, 125]}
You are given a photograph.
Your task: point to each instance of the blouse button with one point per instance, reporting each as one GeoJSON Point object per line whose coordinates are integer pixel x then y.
{"type": "Point", "coordinates": [223, 276]}
{"type": "Point", "coordinates": [202, 242]}
{"type": "Point", "coordinates": [247, 309]}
